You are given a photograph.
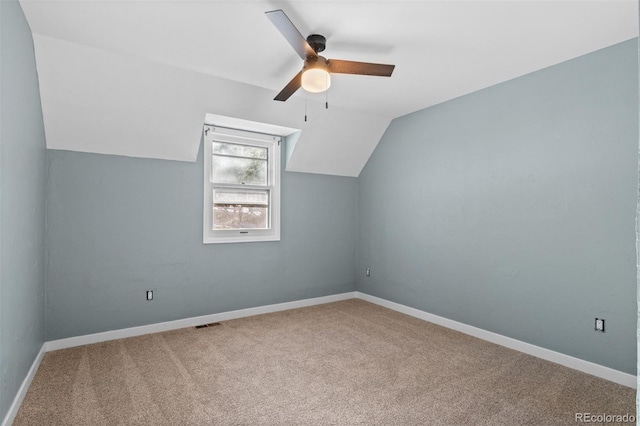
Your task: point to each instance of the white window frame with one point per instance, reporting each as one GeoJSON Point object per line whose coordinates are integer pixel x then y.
{"type": "Point", "coordinates": [272, 143]}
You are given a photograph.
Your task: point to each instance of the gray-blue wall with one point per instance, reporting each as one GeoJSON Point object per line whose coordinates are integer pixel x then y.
{"type": "Point", "coordinates": [118, 226]}
{"type": "Point", "coordinates": [512, 209]}
{"type": "Point", "coordinates": [22, 205]}
{"type": "Point", "coordinates": [638, 263]}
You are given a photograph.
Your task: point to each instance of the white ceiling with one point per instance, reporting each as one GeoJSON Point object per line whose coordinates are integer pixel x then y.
{"type": "Point", "coordinates": [107, 67]}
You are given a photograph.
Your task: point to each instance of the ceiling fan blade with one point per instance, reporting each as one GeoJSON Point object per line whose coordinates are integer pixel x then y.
{"type": "Point", "coordinates": [362, 68]}
{"type": "Point", "coordinates": [290, 88]}
{"type": "Point", "coordinates": [291, 33]}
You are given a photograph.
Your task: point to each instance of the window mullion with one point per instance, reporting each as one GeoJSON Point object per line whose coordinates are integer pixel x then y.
{"type": "Point", "coordinates": [243, 187]}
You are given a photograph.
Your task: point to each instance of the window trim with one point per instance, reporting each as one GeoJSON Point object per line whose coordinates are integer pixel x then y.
{"type": "Point", "coordinates": [273, 143]}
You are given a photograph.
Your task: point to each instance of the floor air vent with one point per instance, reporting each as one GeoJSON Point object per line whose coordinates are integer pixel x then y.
{"type": "Point", "coordinates": [213, 324]}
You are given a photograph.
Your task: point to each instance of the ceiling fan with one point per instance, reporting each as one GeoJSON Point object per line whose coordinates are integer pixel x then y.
{"type": "Point", "coordinates": [315, 76]}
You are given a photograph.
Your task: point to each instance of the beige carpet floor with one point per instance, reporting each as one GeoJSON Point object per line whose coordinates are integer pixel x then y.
{"type": "Point", "coordinates": [344, 363]}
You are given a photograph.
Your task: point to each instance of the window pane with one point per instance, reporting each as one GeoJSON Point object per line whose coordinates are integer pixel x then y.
{"type": "Point", "coordinates": [240, 209]}
{"type": "Point", "coordinates": [226, 196]}
{"type": "Point", "coordinates": [238, 170]}
{"type": "Point", "coordinates": [225, 148]}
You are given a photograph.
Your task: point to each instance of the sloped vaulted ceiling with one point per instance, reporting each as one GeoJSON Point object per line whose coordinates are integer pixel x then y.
{"type": "Point", "coordinates": [136, 78]}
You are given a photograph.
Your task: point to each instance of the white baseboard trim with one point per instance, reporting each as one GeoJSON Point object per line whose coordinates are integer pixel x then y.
{"type": "Point", "coordinates": [22, 392]}
{"type": "Point", "coordinates": [191, 322]}
{"type": "Point", "coordinates": [518, 345]}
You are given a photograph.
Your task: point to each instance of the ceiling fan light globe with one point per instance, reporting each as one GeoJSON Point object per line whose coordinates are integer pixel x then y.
{"type": "Point", "coordinates": [316, 80]}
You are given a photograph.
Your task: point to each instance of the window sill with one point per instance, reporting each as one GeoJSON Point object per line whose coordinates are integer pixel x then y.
{"type": "Point", "coordinates": [227, 239]}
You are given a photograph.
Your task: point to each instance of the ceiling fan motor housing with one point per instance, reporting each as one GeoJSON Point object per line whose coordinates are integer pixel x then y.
{"type": "Point", "coordinates": [317, 62]}
{"type": "Point", "coordinates": [317, 42]}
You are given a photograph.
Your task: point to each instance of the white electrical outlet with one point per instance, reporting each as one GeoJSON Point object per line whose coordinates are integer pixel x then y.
{"type": "Point", "coordinates": [149, 294]}
{"type": "Point", "coordinates": [600, 324]}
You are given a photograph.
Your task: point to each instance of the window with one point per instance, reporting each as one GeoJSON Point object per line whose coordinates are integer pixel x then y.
{"type": "Point", "coordinates": [241, 186]}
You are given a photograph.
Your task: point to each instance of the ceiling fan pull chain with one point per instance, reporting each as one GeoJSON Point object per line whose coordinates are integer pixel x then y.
{"type": "Point", "coordinates": [326, 92]}
{"type": "Point", "coordinates": [305, 108]}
